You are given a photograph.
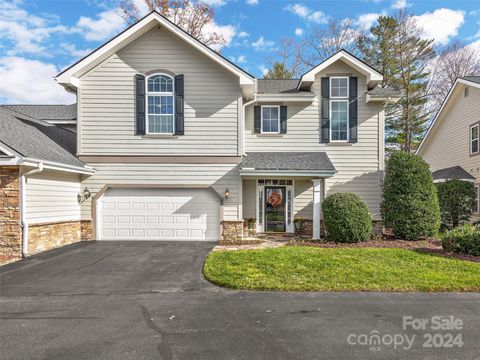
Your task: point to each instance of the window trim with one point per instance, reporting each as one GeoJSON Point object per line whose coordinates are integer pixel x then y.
{"type": "Point", "coordinates": [470, 140]}
{"type": "Point", "coordinates": [348, 87]}
{"type": "Point", "coordinates": [330, 119]}
{"type": "Point", "coordinates": [261, 119]}
{"type": "Point", "coordinates": [159, 93]}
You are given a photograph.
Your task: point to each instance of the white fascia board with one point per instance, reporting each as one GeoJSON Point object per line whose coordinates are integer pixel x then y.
{"type": "Point", "coordinates": [386, 100]}
{"type": "Point", "coordinates": [148, 22]}
{"type": "Point", "coordinates": [58, 166]}
{"type": "Point", "coordinates": [371, 74]}
{"type": "Point", "coordinates": [285, 97]}
{"type": "Point", "coordinates": [292, 173]}
{"type": "Point", "coordinates": [445, 102]}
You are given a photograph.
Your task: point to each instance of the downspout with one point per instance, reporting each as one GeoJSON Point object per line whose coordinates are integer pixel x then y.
{"type": "Point", "coordinates": [23, 206]}
{"type": "Point", "coordinates": [244, 120]}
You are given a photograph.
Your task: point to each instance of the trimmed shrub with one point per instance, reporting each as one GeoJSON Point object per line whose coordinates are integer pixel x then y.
{"type": "Point", "coordinates": [346, 218]}
{"type": "Point", "coordinates": [463, 240]}
{"type": "Point", "coordinates": [410, 204]}
{"type": "Point", "coordinates": [457, 199]}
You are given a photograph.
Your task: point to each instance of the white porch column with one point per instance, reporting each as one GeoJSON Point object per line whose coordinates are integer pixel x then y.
{"type": "Point", "coordinates": [317, 209]}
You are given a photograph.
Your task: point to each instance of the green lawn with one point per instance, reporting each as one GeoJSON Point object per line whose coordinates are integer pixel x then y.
{"type": "Point", "coordinates": [346, 269]}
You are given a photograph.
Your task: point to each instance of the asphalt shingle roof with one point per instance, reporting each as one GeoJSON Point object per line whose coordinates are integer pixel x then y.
{"type": "Point", "coordinates": [37, 139]}
{"type": "Point", "coordinates": [46, 112]}
{"type": "Point", "coordinates": [277, 86]}
{"type": "Point", "coordinates": [454, 172]}
{"type": "Point", "coordinates": [472, 78]}
{"type": "Point", "coordinates": [287, 161]}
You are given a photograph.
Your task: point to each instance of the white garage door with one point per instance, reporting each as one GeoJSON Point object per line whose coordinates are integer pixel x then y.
{"type": "Point", "coordinates": [159, 214]}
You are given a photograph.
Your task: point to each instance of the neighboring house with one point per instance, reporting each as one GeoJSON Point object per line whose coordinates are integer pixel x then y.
{"type": "Point", "coordinates": [452, 143]}
{"type": "Point", "coordinates": [64, 116]}
{"type": "Point", "coordinates": [39, 184]}
{"type": "Point", "coordinates": [187, 146]}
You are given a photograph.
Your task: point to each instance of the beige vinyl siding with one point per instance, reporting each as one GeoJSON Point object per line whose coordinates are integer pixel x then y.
{"type": "Point", "coordinates": [448, 142]}
{"type": "Point", "coordinates": [52, 197]}
{"type": "Point", "coordinates": [106, 101]}
{"type": "Point", "coordinates": [219, 176]}
{"type": "Point", "coordinates": [249, 198]}
{"type": "Point", "coordinates": [359, 166]}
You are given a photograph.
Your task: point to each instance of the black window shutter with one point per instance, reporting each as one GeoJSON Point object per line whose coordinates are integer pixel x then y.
{"type": "Point", "coordinates": [179, 105]}
{"type": "Point", "coordinates": [257, 120]}
{"type": "Point", "coordinates": [325, 113]}
{"type": "Point", "coordinates": [353, 109]}
{"type": "Point", "coordinates": [139, 104]}
{"type": "Point", "coordinates": [283, 119]}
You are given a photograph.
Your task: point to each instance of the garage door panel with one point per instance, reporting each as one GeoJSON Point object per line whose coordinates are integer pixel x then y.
{"type": "Point", "coordinates": [159, 214]}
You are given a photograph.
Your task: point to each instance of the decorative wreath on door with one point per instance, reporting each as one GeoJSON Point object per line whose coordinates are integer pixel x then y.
{"type": "Point", "coordinates": [275, 199]}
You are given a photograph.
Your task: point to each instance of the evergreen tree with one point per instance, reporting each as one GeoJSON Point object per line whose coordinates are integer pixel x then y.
{"type": "Point", "coordinates": [278, 71]}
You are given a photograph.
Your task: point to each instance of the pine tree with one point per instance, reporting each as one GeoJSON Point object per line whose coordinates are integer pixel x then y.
{"type": "Point", "coordinates": [278, 71]}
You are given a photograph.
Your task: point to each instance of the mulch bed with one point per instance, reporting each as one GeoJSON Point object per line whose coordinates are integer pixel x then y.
{"type": "Point", "coordinates": [431, 246]}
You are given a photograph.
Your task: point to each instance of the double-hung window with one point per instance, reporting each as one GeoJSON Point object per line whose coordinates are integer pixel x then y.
{"type": "Point", "coordinates": [160, 104]}
{"type": "Point", "coordinates": [339, 108]}
{"type": "Point", "coordinates": [270, 119]}
{"type": "Point", "coordinates": [475, 139]}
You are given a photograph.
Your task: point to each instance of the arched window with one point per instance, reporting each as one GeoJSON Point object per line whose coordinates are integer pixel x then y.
{"type": "Point", "coordinates": [160, 104]}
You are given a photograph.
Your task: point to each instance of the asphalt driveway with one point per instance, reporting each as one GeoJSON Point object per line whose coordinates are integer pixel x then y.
{"type": "Point", "coordinates": [148, 300]}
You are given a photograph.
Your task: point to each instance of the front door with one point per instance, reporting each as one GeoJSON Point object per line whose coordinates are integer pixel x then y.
{"type": "Point", "coordinates": [275, 209]}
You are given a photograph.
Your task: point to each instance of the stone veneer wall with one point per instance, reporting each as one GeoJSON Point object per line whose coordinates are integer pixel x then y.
{"type": "Point", "coordinates": [10, 227]}
{"type": "Point", "coordinates": [232, 231]}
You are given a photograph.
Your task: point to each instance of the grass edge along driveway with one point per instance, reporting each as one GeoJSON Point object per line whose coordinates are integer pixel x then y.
{"type": "Point", "coordinates": [340, 269]}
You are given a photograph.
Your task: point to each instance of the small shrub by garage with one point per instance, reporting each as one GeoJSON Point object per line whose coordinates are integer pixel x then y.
{"type": "Point", "coordinates": [346, 218]}
{"type": "Point", "coordinates": [410, 204]}
{"type": "Point", "coordinates": [463, 240]}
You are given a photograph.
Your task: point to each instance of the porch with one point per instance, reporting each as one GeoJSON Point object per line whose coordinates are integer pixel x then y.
{"type": "Point", "coordinates": [282, 194]}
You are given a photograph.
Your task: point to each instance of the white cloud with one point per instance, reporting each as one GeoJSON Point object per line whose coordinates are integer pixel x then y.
{"type": "Point", "coordinates": [400, 4]}
{"type": "Point", "coordinates": [71, 49]}
{"type": "Point", "coordinates": [307, 13]}
{"type": "Point", "coordinates": [441, 25]}
{"type": "Point", "coordinates": [263, 69]}
{"type": "Point", "coordinates": [252, 2]}
{"type": "Point", "coordinates": [263, 45]}
{"type": "Point", "coordinates": [475, 45]}
{"type": "Point", "coordinates": [242, 59]}
{"type": "Point", "coordinates": [27, 33]}
{"type": "Point", "coordinates": [29, 81]}
{"type": "Point", "coordinates": [299, 31]}
{"type": "Point", "coordinates": [214, 2]}
{"type": "Point", "coordinates": [227, 31]}
{"type": "Point", "coordinates": [365, 21]}
{"type": "Point", "coordinates": [243, 34]}
{"type": "Point", "coordinates": [103, 26]}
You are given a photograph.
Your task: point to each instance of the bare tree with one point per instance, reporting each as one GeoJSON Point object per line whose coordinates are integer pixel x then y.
{"type": "Point", "coordinates": [454, 60]}
{"type": "Point", "coordinates": [287, 58]}
{"type": "Point", "coordinates": [324, 42]}
{"type": "Point", "coordinates": [193, 16]}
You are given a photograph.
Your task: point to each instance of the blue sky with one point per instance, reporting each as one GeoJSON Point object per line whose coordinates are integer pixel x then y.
{"type": "Point", "coordinates": [40, 38]}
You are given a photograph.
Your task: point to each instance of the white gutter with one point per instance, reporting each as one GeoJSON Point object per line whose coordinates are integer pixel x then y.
{"type": "Point", "coordinates": [244, 120]}
{"type": "Point", "coordinates": [23, 206]}
{"type": "Point", "coordinates": [58, 166]}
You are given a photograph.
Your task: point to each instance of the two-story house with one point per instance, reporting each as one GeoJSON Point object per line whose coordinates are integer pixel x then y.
{"type": "Point", "coordinates": [185, 145]}
{"type": "Point", "coordinates": [452, 143]}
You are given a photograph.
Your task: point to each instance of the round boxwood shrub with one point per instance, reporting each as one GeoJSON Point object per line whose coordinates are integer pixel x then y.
{"type": "Point", "coordinates": [463, 240]}
{"type": "Point", "coordinates": [457, 199]}
{"type": "Point", "coordinates": [410, 203]}
{"type": "Point", "coordinates": [346, 218]}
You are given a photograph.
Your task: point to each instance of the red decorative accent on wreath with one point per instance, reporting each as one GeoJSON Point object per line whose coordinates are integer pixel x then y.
{"type": "Point", "coordinates": [275, 199]}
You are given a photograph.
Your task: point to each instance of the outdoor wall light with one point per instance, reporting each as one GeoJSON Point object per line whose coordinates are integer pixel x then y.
{"type": "Point", "coordinates": [227, 193]}
{"type": "Point", "coordinates": [82, 196]}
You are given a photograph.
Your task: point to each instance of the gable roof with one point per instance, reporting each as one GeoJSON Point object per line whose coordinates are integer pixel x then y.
{"type": "Point", "coordinates": [37, 140]}
{"type": "Point", "coordinates": [47, 112]}
{"type": "Point", "coordinates": [372, 75]}
{"type": "Point", "coordinates": [69, 76]}
{"type": "Point", "coordinates": [466, 80]}
{"type": "Point", "coordinates": [454, 172]}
